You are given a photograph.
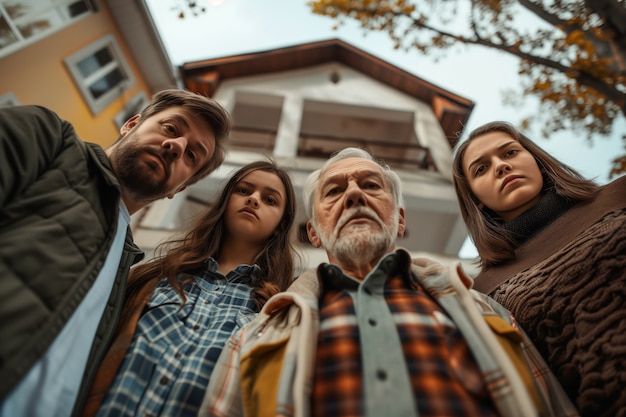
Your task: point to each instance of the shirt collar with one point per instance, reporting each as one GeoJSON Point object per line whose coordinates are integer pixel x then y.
{"type": "Point", "coordinates": [244, 273]}
{"type": "Point", "coordinates": [332, 278]}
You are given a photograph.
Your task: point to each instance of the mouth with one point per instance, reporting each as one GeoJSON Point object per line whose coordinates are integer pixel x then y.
{"type": "Point", "coordinates": [156, 162]}
{"type": "Point", "coordinates": [249, 212]}
{"type": "Point", "coordinates": [508, 180]}
{"type": "Point", "coordinates": [358, 219]}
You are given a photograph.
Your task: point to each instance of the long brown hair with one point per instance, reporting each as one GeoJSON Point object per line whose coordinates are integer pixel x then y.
{"type": "Point", "coordinates": [186, 256]}
{"type": "Point", "coordinates": [488, 235]}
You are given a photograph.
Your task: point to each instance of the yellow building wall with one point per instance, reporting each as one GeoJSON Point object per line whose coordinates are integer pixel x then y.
{"type": "Point", "coordinates": [37, 74]}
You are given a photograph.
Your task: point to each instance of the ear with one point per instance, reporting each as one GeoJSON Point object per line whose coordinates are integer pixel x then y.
{"type": "Point", "coordinates": [130, 123]}
{"type": "Point", "coordinates": [171, 195]}
{"type": "Point", "coordinates": [313, 237]}
{"type": "Point", "coordinates": [401, 223]}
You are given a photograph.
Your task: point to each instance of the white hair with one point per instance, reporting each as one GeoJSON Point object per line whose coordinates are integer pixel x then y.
{"type": "Point", "coordinates": [312, 182]}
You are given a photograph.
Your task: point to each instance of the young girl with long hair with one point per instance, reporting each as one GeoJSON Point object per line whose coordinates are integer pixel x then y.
{"type": "Point", "coordinates": [552, 248]}
{"type": "Point", "coordinates": [182, 307]}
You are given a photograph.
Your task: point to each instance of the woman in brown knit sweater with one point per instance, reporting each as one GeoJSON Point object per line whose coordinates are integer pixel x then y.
{"type": "Point", "coordinates": [552, 249]}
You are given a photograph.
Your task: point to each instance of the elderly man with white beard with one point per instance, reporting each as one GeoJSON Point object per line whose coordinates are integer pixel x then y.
{"type": "Point", "coordinates": [374, 332]}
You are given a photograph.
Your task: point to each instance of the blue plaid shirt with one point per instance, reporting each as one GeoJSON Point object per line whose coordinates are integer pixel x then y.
{"type": "Point", "coordinates": [167, 368]}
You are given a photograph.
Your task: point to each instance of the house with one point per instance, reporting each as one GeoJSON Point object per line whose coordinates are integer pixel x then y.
{"type": "Point", "coordinates": [93, 62]}
{"type": "Point", "coordinates": [301, 103]}
{"type": "Point", "coordinates": [97, 62]}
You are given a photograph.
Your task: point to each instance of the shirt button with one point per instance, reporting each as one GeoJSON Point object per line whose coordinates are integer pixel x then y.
{"type": "Point", "coordinates": [164, 380]}
{"type": "Point", "coordinates": [372, 322]}
{"type": "Point", "coordinates": [196, 327]}
{"type": "Point", "coordinates": [381, 374]}
{"type": "Point", "coordinates": [178, 355]}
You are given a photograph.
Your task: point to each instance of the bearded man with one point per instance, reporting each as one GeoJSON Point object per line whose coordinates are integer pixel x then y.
{"type": "Point", "coordinates": [374, 332]}
{"type": "Point", "coordinates": [66, 247]}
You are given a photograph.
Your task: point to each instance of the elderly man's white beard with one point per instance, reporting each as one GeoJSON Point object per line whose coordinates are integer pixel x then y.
{"type": "Point", "coordinates": [355, 249]}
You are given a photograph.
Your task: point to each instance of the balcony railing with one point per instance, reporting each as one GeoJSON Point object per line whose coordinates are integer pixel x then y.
{"type": "Point", "coordinates": [408, 156]}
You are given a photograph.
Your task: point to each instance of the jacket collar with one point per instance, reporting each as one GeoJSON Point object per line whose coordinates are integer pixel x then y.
{"type": "Point", "coordinates": [102, 162]}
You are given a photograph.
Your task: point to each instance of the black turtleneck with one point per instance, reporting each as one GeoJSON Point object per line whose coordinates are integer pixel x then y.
{"type": "Point", "coordinates": [548, 208]}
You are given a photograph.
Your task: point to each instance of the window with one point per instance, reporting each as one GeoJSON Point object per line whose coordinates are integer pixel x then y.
{"type": "Point", "coordinates": [23, 22]}
{"type": "Point", "coordinates": [256, 118]}
{"type": "Point", "coordinates": [133, 107]}
{"type": "Point", "coordinates": [100, 72]}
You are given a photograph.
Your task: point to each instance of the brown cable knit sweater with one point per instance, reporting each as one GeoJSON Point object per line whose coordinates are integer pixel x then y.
{"type": "Point", "coordinates": [567, 290]}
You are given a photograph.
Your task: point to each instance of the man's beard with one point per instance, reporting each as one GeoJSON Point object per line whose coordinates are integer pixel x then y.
{"type": "Point", "coordinates": [353, 248]}
{"type": "Point", "coordinates": [137, 178]}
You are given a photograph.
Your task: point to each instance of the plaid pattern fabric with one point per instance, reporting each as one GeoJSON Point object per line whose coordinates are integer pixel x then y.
{"type": "Point", "coordinates": [167, 368]}
{"type": "Point", "coordinates": [442, 376]}
{"type": "Point", "coordinates": [556, 399]}
{"type": "Point", "coordinates": [290, 320]}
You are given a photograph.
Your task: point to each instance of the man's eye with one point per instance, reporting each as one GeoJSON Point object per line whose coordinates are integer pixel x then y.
{"type": "Point", "coordinates": [170, 129]}
{"type": "Point", "coordinates": [191, 156]}
{"type": "Point", "coordinates": [333, 191]}
{"type": "Point", "coordinates": [511, 152]}
{"type": "Point", "coordinates": [372, 185]}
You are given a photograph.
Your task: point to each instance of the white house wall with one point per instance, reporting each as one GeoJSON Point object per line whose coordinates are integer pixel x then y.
{"type": "Point", "coordinates": [353, 88]}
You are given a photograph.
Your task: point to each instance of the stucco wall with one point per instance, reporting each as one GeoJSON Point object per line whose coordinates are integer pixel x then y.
{"type": "Point", "coordinates": [37, 74]}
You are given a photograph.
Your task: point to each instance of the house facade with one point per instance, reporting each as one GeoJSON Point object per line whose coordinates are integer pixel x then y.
{"type": "Point", "coordinates": [299, 104]}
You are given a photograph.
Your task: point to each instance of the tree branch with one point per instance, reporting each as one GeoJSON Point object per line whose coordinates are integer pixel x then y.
{"type": "Point", "coordinates": [583, 78]}
{"type": "Point", "coordinates": [547, 17]}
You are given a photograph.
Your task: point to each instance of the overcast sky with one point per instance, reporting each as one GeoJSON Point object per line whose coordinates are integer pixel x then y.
{"type": "Point", "coordinates": [231, 27]}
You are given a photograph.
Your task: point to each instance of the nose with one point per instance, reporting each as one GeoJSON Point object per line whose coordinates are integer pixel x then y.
{"type": "Point", "coordinates": [175, 146]}
{"type": "Point", "coordinates": [253, 200]}
{"type": "Point", "coordinates": [354, 196]}
{"type": "Point", "coordinates": [502, 168]}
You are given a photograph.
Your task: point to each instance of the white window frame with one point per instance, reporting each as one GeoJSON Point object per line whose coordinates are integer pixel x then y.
{"type": "Point", "coordinates": [84, 82]}
{"type": "Point", "coordinates": [57, 8]}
